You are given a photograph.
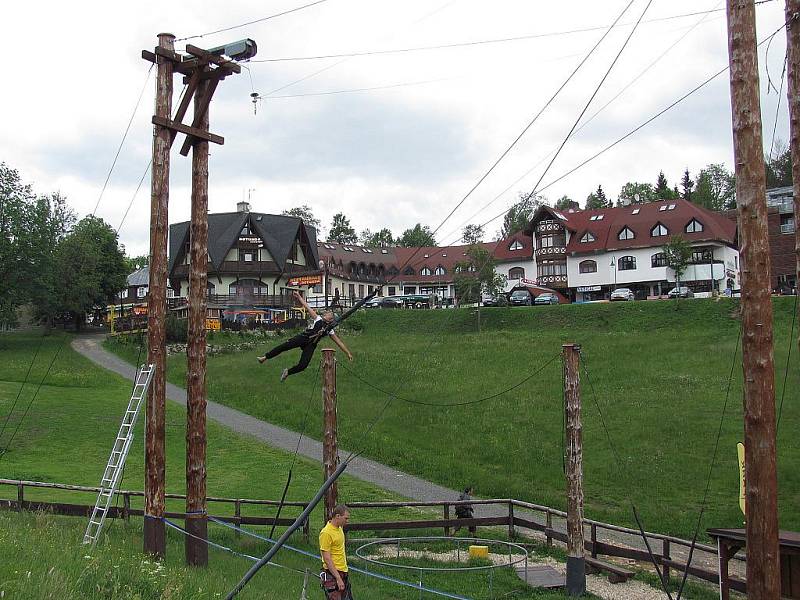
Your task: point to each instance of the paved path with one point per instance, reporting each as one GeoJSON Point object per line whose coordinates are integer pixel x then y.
{"type": "Point", "coordinates": [367, 470]}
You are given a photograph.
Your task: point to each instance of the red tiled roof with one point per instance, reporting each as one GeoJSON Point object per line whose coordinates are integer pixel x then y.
{"type": "Point", "coordinates": [716, 226]}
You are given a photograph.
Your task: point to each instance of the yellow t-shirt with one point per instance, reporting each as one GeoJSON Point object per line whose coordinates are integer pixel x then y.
{"type": "Point", "coordinates": [331, 539]}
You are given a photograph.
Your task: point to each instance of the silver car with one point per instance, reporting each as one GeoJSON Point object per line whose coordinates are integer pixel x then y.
{"type": "Point", "coordinates": [622, 294]}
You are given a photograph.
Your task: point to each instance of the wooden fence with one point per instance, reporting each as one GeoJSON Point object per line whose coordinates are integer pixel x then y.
{"type": "Point", "coordinates": [508, 515]}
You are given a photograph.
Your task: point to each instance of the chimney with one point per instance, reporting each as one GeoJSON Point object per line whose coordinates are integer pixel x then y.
{"type": "Point", "coordinates": [243, 207]}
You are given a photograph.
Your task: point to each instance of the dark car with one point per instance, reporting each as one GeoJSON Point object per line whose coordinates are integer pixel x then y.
{"type": "Point", "coordinates": [520, 298]}
{"type": "Point", "coordinates": [546, 298]}
{"type": "Point", "coordinates": [681, 292]}
{"type": "Point", "coordinates": [391, 302]}
{"type": "Point", "coordinates": [373, 302]}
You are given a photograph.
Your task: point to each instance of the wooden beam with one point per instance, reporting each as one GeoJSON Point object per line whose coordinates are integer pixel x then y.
{"type": "Point", "coordinates": [206, 56]}
{"type": "Point", "coordinates": [188, 130]}
{"type": "Point", "coordinates": [201, 108]}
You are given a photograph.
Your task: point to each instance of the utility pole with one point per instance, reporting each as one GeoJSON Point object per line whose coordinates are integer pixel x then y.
{"type": "Point", "coordinates": [196, 516]}
{"type": "Point", "coordinates": [330, 455]}
{"type": "Point", "coordinates": [763, 581]}
{"type": "Point", "coordinates": [155, 472]}
{"type": "Point", "coordinates": [576, 561]}
{"type": "Point", "coordinates": [793, 93]}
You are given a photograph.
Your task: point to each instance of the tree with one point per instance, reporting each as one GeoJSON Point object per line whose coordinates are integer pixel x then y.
{"type": "Point", "coordinates": [715, 188]}
{"type": "Point", "coordinates": [473, 234]}
{"type": "Point", "coordinates": [687, 185]}
{"type": "Point", "coordinates": [677, 254]}
{"type": "Point", "coordinates": [779, 169]}
{"type": "Point", "coordinates": [304, 212]}
{"type": "Point", "coordinates": [520, 214]}
{"type": "Point", "coordinates": [477, 274]}
{"type": "Point", "coordinates": [634, 192]}
{"type": "Point", "coordinates": [379, 239]}
{"type": "Point", "coordinates": [341, 230]}
{"type": "Point", "coordinates": [417, 237]}
{"type": "Point", "coordinates": [90, 268]}
{"type": "Point", "coordinates": [597, 199]}
{"type": "Point", "coordinates": [134, 263]}
{"type": "Point", "coordinates": [662, 190]}
{"type": "Point", "coordinates": [564, 203]}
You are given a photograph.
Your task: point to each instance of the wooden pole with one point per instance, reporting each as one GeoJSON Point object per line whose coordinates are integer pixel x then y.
{"type": "Point", "coordinates": [763, 582]}
{"type": "Point", "coordinates": [330, 455]}
{"type": "Point", "coordinates": [576, 562]}
{"type": "Point", "coordinates": [793, 93]}
{"type": "Point", "coordinates": [196, 516]}
{"type": "Point", "coordinates": [155, 471]}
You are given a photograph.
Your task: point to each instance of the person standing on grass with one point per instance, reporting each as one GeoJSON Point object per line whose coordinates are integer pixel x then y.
{"type": "Point", "coordinates": [334, 576]}
{"type": "Point", "coordinates": [307, 340]}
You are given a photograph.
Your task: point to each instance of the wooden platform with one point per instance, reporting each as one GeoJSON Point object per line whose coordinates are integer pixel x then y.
{"type": "Point", "coordinates": [543, 576]}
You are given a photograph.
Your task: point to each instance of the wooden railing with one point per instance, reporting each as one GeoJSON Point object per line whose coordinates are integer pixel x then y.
{"type": "Point", "coordinates": [513, 514]}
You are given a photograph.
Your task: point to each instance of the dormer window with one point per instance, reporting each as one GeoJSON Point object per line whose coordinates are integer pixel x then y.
{"type": "Point", "coordinates": [408, 271]}
{"type": "Point", "coordinates": [694, 226]}
{"type": "Point", "coordinates": [439, 270]}
{"type": "Point", "coordinates": [587, 238]}
{"type": "Point", "coordinates": [658, 231]}
{"type": "Point", "coordinates": [348, 248]}
{"type": "Point", "coordinates": [425, 271]}
{"type": "Point", "coordinates": [596, 217]}
{"type": "Point", "coordinates": [626, 234]}
{"type": "Point", "coordinates": [516, 245]}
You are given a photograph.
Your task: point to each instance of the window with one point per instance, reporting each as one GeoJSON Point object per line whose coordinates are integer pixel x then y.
{"type": "Point", "coordinates": [702, 255]}
{"type": "Point", "coordinates": [551, 267]}
{"type": "Point", "coordinates": [246, 256]}
{"type": "Point", "coordinates": [141, 291]}
{"type": "Point", "coordinates": [440, 270]}
{"type": "Point", "coordinates": [351, 288]}
{"type": "Point", "coordinates": [360, 290]}
{"type": "Point", "coordinates": [123, 293]}
{"type": "Point", "coordinates": [247, 287]}
{"type": "Point", "coordinates": [392, 291]}
{"type": "Point", "coordinates": [658, 260]}
{"type": "Point", "coordinates": [587, 266]}
{"type": "Point", "coordinates": [551, 241]}
{"type": "Point", "coordinates": [627, 263]}
{"type": "Point", "coordinates": [587, 237]}
{"type": "Point", "coordinates": [348, 248]}
{"type": "Point", "coordinates": [425, 271]}
{"type": "Point", "coordinates": [596, 217]}
{"type": "Point", "coordinates": [694, 226]}
{"type": "Point", "coordinates": [516, 273]}
{"type": "Point", "coordinates": [626, 234]}
{"type": "Point", "coordinates": [170, 292]}
{"type": "Point", "coordinates": [246, 229]}
{"type": "Point", "coordinates": [516, 245]}
{"type": "Point", "coordinates": [367, 250]}
{"type": "Point", "coordinates": [635, 211]}
{"type": "Point", "coordinates": [671, 207]}
{"type": "Point", "coordinates": [409, 271]}
{"type": "Point", "coordinates": [658, 231]}
{"type": "Point", "coordinates": [384, 251]}
{"type": "Point", "coordinates": [662, 208]}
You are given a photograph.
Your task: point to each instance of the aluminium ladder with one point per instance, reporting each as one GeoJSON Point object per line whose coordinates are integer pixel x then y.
{"type": "Point", "coordinates": [119, 453]}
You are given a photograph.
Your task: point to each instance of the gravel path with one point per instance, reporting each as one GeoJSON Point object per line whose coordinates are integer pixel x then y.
{"type": "Point", "coordinates": [367, 470]}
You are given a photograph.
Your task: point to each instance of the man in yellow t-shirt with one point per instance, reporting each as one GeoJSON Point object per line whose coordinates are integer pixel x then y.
{"type": "Point", "coordinates": [334, 560]}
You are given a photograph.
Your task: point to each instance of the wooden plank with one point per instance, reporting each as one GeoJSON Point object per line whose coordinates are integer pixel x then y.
{"type": "Point", "coordinates": [188, 130]}
{"type": "Point", "coordinates": [205, 56]}
{"type": "Point", "coordinates": [201, 108]}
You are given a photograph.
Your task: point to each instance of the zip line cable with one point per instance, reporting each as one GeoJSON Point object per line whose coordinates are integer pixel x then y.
{"type": "Point", "coordinates": [124, 136]}
{"type": "Point", "coordinates": [786, 369]}
{"type": "Point", "coordinates": [527, 127]}
{"type": "Point", "coordinates": [478, 42]}
{"type": "Point", "coordinates": [587, 121]}
{"type": "Point", "coordinates": [253, 22]}
{"type": "Point", "coordinates": [4, 450]}
{"type": "Point", "coordinates": [363, 89]}
{"type": "Point", "coordinates": [21, 387]}
{"type": "Point", "coordinates": [778, 107]}
{"type": "Point", "coordinates": [713, 462]}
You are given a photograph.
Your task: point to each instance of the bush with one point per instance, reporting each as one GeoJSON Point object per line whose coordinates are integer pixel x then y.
{"type": "Point", "coordinates": [176, 330]}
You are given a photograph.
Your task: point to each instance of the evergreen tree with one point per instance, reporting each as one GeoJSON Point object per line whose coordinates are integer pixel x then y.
{"type": "Point", "coordinates": [473, 234]}
{"type": "Point", "coordinates": [779, 169]}
{"type": "Point", "coordinates": [564, 203]}
{"type": "Point", "coordinates": [417, 237]}
{"type": "Point", "coordinates": [662, 190]}
{"type": "Point", "coordinates": [687, 185]}
{"type": "Point", "coordinates": [341, 230]}
{"type": "Point", "coordinates": [304, 212]}
{"type": "Point", "coordinates": [379, 239]}
{"type": "Point", "coordinates": [597, 199]}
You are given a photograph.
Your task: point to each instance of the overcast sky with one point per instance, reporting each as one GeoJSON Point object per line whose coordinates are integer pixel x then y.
{"type": "Point", "coordinates": [388, 157]}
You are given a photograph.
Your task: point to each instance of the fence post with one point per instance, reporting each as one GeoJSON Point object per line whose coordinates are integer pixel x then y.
{"type": "Point", "coordinates": [306, 529]}
{"type": "Point", "coordinates": [20, 496]}
{"type": "Point", "coordinates": [665, 552]}
{"type": "Point", "coordinates": [549, 527]}
{"type": "Point", "coordinates": [126, 507]}
{"type": "Point", "coordinates": [511, 533]}
{"type": "Point", "coordinates": [237, 513]}
{"type": "Point", "coordinates": [576, 558]}
{"type": "Point", "coordinates": [446, 518]}
{"type": "Point", "coordinates": [594, 540]}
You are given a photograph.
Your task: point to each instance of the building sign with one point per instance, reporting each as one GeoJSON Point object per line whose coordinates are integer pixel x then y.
{"type": "Point", "coordinates": [528, 281]}
{"type": "Point", "coordinates": [213, 324]}
{"type": "Point", "coordinates": [588, 288]}
{"type": "Point", "coordinates": [140, 310]}
{"type": "Point", "coordinates": [305, 280]}
{"type": "Point", "coordinates": [249, 239]}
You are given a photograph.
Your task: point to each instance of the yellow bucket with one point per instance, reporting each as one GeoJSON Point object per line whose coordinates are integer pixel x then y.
{"type": "Point", "coordinates": [479, 551]}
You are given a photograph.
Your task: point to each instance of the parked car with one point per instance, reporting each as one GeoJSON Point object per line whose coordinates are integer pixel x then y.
{"type": "Point", "coordinates": [680, 292]}
{"type": "Point", "coordinates": [546, 298]}
{"type": "Point", "coordinates": [490, 300]}
{"type": "Point", "coordinates": [622, 294]}
{"type": "Point", "coordinates": [520, 298]}
{"type": "Point", "coordinates": [373, 302]}
{"type": "Point", "coordinates": [392, 302]}
{"type": "Point", "coordinates": [416, 300]}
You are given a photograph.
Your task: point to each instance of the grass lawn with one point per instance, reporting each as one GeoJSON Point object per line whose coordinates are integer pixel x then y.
{"type": "Point", "coordinates": [66, 436]}
{"type": "Point", "coordinates": [659, 369]}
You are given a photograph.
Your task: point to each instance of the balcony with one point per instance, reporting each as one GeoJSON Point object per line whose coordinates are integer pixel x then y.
{"type": "Point", "coordinates": [272, 300]}
{"type": "Point", "coordinates": [549, 226]}
{"type": "Point", "coordinates": [551, 252]}
{"type": "Point", "coordinates": [553, 281]}
{"type": "Point", "coordinates": [787, 228]}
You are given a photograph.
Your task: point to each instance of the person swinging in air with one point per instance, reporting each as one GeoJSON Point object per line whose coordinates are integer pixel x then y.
{"type": "Point", "coordinates": [307, 340]}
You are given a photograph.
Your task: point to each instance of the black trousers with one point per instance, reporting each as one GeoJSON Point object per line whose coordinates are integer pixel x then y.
{"type": "Point", "coordinates": [298, 341]}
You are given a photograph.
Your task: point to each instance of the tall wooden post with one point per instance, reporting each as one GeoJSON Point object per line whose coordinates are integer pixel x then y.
{"type": "Point", "coordinates": [330, 454]}
{"type": "Point", "coordinates": [793, 92]}
{"type": "Point", "coordinates": [196, 516]}
{"type": "Point", "coordinates": [576, 562]}
{"type": "Point", "coordinates": [155, 471]}
{"type": "Point", "coordinates": [763, 582]}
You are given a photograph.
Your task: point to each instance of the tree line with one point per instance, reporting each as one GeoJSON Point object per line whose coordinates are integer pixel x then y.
{"type": "Point", "coordinates": [61, 267]}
